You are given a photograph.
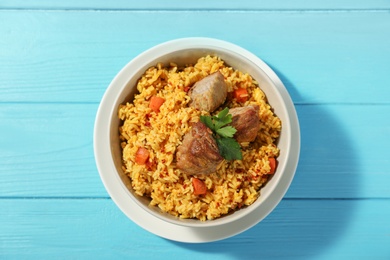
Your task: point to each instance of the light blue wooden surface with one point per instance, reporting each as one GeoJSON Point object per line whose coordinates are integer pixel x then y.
{"type": "Point", "coordinates": [56, 60]}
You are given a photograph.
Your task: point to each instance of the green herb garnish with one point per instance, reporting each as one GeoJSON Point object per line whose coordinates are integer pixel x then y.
{"type": "Point", "coordinates": [228, 147]}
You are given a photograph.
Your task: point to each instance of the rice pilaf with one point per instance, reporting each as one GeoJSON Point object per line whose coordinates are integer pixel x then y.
{"type": "Point", "coordinates": [236, 183]}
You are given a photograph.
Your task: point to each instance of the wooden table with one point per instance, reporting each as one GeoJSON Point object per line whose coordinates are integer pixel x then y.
{"type": "Point", "coordinates": [57, 59]}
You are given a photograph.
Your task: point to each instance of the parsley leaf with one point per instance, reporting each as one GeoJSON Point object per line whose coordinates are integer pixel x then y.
{"type": "Point", "coordinates": [222, 119]}
{"type": "Point", "coordinates": [227, 131]}
{"type": "Point", "coordinates": [228, 147]}
{"type": "Point", "coordinates": [207, 121]}
{"type": "Point", "coordinates": [223, 113]}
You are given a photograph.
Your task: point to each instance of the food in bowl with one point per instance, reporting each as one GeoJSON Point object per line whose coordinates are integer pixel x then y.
{"type": "Point", "coordinates": [199, 140]}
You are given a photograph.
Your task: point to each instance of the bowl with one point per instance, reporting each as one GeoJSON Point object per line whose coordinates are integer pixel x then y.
{"type": "Point", "coordinates": [108, 151]}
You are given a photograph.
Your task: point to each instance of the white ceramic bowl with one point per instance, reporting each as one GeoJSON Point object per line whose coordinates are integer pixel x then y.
{"type": "Point", "coordinates": [108, 153]}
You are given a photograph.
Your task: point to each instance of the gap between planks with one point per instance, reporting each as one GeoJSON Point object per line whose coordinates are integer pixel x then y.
{"type": "Point", "coordinates": [109, 198]}
{"type": "Point", "coordinates": [199, 10]}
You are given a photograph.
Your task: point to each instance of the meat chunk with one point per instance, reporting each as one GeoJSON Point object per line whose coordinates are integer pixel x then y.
{"type": "Point", "coordinates": [246, 121]}
{"type": "Point", "coordinates": [209, 93]}
{"type": "Point", "coordinates": [198, 154]}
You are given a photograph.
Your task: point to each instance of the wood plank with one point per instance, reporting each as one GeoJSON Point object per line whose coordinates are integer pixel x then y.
{"type": "Point", "coordinates": [343, 152]}
{"type": "Point", "coordinates": [322, 57]}
{"type": "Point", "coordinates": [47, 150]}
{"type": "Point", "coordinates": [198, 5]}
{"type": "Point", "coordinates": [329, 229]}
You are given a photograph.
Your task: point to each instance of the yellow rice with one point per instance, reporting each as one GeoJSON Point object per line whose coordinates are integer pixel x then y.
{"type": "Point", "coordinates": [236, 183]}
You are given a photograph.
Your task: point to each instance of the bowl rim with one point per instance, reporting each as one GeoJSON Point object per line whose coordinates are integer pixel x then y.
{"type": "Point", "coordinates": [102, 150]}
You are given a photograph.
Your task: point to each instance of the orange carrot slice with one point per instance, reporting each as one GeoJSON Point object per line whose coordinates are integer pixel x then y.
{"type": "Point", "coordinates": [141, 156]}
{"type": "Point", "coordinates": [199, 187]}
{"type": "Point", "coordinates": [272, 164]}
{"type": "Point", "coordinates": [155, 103]}
{"type": "Point", "coordinates": [241, 95]}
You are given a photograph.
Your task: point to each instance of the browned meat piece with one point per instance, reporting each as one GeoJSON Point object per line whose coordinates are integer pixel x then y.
{"type": "Point", "coordinates": [246, 121]}
{"type": "Point", "coordinates": [209, 93]}
{"type": "Point", "coordinates": [198, 154]}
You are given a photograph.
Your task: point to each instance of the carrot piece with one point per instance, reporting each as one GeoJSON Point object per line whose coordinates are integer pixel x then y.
{"type": "Point", "coordinates": [141, 156]}
{"type": "Point", "coordinates": [199, 187]}
{"type": "Point", "coordinates": [155, 103]}
{"type": "Point", "coordinates": [241, 95]}
{"type": "Point", "coordinates": [272, 165]}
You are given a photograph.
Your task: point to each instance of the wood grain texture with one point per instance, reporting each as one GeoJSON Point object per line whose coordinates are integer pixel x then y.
{"type": "Point", "coordinates": [80, 229]}
{"type": "Point", "coordinates": [178, 5]}
{"type": "Point", "coordinates": [47, 150]}
{"type": "Point", "coordinates": [72, 56]}
{"type": "Point", "coordinates": [57, 59]}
